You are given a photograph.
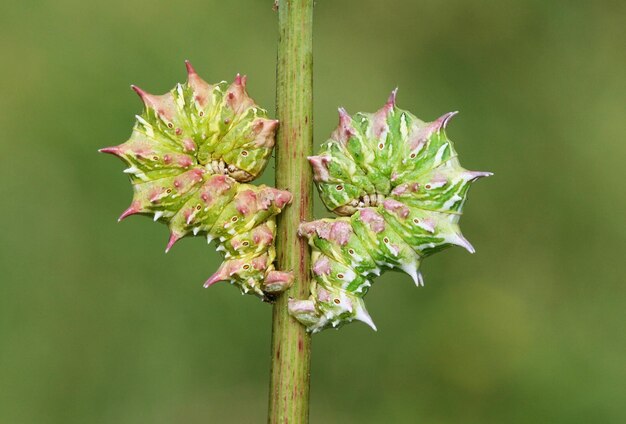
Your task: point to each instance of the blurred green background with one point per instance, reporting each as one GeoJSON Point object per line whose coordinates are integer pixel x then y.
{"type": "Point", "coordinates": [97, 325]}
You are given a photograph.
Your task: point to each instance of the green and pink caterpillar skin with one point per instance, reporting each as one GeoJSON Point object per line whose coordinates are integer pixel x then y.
{"type": "Point", "coordinates": [190, 154]}
{"type": "Point", "coordinates": [400, 189]}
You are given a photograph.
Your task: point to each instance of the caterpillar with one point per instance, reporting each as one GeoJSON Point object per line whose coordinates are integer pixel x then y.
{"type": "Point", "coordinates": [190, 156]}
{"type": "Point", "coordinates": [399, 189]}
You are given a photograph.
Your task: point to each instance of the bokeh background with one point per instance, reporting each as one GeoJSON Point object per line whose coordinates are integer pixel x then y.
{"type": "Point", "coordinates": [97, 325]}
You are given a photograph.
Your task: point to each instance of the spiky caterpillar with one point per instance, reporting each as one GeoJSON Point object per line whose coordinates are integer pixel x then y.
{"type": "Point", "coordinates": [190, 154]}
{"type": "Point", "coordinates": [398, 182]}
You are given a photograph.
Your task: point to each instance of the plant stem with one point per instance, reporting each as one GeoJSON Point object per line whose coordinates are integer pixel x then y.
{"type": "Point", "coordinates": [291, 344]}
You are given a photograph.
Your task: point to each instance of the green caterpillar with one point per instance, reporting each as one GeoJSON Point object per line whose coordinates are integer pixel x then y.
{"type": "Point", "coordinates": [398, 184]}
{"type": "Point", "coordinates": [190, 154]}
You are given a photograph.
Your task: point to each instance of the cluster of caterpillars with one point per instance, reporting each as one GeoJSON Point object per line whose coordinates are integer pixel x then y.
{"type": "Point", "coordinates": [394, 180]}
{"type": "Point", "coordinates": [399, 189]}
{"type": "Point", "coordinates": [190, 156]}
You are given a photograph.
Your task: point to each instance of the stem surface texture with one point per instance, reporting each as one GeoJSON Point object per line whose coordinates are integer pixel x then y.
{"type": "Point", "coordinates": [291, 344]}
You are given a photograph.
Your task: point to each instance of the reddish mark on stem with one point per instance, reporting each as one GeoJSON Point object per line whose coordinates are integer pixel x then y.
{"type": "Point", "coordinates": [300, 344]}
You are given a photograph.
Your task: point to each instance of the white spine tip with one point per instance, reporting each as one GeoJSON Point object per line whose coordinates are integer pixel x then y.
{"type": "Point", "coordinates": [363, 316]}
{"type": "Point", "coordinates": [392, 97]}
{"type": "Point", "coordinates": [474, 175]}
{"type": "Point", "coordinates": [459, 240]}
{"type": "Point", "coordinates": [343, 114]}
{"type": "Point", "coordinates": [447, 117]}
{"type": "Point", "coordinates": [411, 269]}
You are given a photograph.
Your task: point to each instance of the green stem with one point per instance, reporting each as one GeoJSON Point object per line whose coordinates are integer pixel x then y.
{"type": "Point", "coordinates": [291, 344]}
